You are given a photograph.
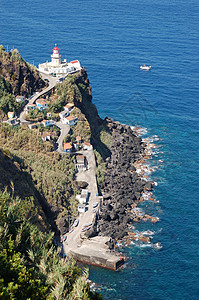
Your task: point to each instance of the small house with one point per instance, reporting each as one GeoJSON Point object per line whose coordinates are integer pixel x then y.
{"type": "Point", "coordinates": [48, 115]}
{"type": "Point", "coordinates": [41, 104]}
{"type": "Point", "coordinates": [81, 208]}
{"type": "Point", "coordinates": [19, 98]}
{"type": "Point", "coordinates": [84, 196]}
{"type": "Point", "coordinates": [81, 163]}
{"type": "Point", "coordinates": [87, 146]}
{"type": "Point", "coordinates": [67, 147]}
{"type": "Point", "coordinates": [71, 120]}
{"type": "Point", "coordinates": [76, 64]}
{"type": "Point", "coordinates": [32, 125]}
{"type": "Point", "coordinates": [13, 122]}
{"type": "Point", "coordinates": [46, 136]}
{"type": "Point", "coordinates": [63, 114]}
{"type": "Point", "coordinates": [69, 107]}
{"type": "Point", "coordinates": [82, 199]}
{"type": "Point", "coordinates": [31, 106]}
{"type": "Point", "coordinates": [47, 123]}
{"type": "Point", "coordinates": [11, 114]}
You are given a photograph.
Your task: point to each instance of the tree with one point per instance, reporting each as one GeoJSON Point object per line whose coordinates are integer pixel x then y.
{"type": "Point", "coordinates": [30, 266]}
{"type": "Point", "coordinates": [16, 281]}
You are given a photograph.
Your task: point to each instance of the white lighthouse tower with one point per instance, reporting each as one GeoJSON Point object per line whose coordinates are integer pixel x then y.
{"type": "Point", "coordinates": [58, 67]}
{"type": "Point", "coordinates": [56, 57]}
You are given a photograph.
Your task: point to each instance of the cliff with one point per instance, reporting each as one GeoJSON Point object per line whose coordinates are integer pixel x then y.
{"type": "Point", "coordinates": [117, 149]}
{"type": "Point", "coordinates": [98, 127]}
{"type": "Point", "coordinates": [23, 78]}
{"type": "Point", "coordinates": [115, 146]}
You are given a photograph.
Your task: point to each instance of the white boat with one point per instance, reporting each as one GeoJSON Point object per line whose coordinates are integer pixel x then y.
{"type": "Point", "coordinates": [145, 68]}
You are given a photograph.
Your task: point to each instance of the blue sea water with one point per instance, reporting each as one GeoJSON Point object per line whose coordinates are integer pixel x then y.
{"type": "Point", "coordinates": [112, 39]}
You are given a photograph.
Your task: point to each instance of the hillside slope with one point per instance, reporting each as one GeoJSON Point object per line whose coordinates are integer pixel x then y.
{"type": "Point", "coordinates": [24, 78]}
{"type": "Point", "coordinates": [14, 180]}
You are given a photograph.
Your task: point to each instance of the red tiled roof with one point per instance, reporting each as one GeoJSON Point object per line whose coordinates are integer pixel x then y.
{"type": "Point", "coordinates": [41, 101]}
{"type": "Point", "coordinates": [69, 105]}
{"type": "Point", "coordinates": [67, 146]}
{"type": "Point", "coordinates": [70, 118]}
{"type": "Point", "coordinates": [45, 134]}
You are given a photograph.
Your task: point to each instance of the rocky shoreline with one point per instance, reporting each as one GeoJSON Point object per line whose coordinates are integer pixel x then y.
{"type": "Point", "coordinates": [122, 188]}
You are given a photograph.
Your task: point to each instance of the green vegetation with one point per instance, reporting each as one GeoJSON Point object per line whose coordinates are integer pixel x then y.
{"type": "Point", "coordinates": [7, 100]}
{"type": "Point", "coordinates": [82, 128]}
{"type": "Point", "coordinates": [51, 174]}
{"type": "Point", "coordinates": [67, 92]}
{"type": "Point", "coordinates": [30, 266]}
{"type": "Point", "coordinates": [104, 141]}
{"type": "Point", "coordinates": [100, 168]}
{"type": "Point", "coordinates": [15, 56]}
{"type": "Point", "coordinates": [35, 115]}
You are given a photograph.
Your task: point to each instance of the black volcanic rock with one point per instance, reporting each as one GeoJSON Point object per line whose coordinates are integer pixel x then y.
{"type": "Point", "coordinates": [122, 185]}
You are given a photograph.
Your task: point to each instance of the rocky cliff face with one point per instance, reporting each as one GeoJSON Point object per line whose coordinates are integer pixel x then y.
{"type": "Point", "coordinates": [24, 78]}
{"type": "Point", "coordinates": [85, 102]}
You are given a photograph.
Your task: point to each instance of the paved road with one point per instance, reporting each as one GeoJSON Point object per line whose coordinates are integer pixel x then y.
{"type": "Point", "coordinates": [73, 238]}
{"type": "Point", "coordinates": [64, 131]}
{"type": "Point", "coordinates": [52, 82]}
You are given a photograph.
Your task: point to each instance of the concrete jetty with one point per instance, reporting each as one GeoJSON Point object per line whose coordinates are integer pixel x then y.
{"type": "Point", "coordinates": [95, 252]}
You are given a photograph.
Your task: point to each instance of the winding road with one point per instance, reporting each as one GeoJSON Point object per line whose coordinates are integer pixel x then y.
{"type": "Point", "coordinates": [64, 131]}
{"type": "Point", "coordinates": [51, 83]}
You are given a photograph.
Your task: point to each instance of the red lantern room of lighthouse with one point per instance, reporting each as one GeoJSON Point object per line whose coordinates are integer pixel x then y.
{"type": "Point", "coordinates": [56, 57]}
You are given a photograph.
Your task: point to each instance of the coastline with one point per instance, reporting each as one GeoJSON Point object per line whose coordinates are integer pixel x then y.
{"type": "Point", "coordinates": [126, 185]}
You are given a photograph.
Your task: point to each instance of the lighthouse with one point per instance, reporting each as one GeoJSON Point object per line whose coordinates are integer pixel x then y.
{"type": "Point", "coordinates": [56, 57]}
{"type": "Point", "coordinates": [58, 67]}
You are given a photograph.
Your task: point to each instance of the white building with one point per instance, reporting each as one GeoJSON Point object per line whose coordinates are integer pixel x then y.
{"type": "Point", "coordinates": [19, 98]}
{"type": "Point", "coordinates": [63, 114]}
{"type": "Point", "coordinates": [47, 123]}
{"type": "Point", "coordinates": [83, 198]}
{"type": "Point", "coordinates": [41, 104]}
{"type": "Point", "coordinates": [58, 67]}
{"type": "Point", "coordinates": [71, 120]}
{"type": "Point", "coordinates": [81, 208]}
{"type": "Point", "coordinates": [69, 107]}
{"type": "Point", "coordinates": [81, 163]}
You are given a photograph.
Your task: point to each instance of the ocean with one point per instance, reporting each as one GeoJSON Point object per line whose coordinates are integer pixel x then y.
{"type": "Point", "coordinates": [112, 39]}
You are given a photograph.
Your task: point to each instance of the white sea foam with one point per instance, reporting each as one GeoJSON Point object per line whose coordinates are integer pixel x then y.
{"type": "Point", "coordinates": [157, 246]}
{"type": "Point", "coordinates": [138, 211]}
{"type": "Point", "coordinates": [145, 245]}
{"type": "Point", "coordinates": [139, 130]}
{"type": "Point", "coordinates": [148, 232]}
